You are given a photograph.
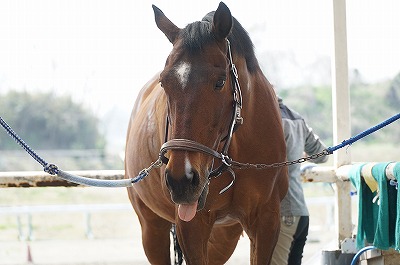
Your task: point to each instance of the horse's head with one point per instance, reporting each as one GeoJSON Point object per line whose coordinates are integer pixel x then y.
{"type": "Point", "coordinates": [196, 81]}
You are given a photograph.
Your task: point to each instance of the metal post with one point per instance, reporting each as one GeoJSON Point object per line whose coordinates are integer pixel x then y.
{"type": "Point", "coordinates": [21, 236]}
{"type": "Point", "coordinates": [341, 116]}
{"type": "Point", "coordinates": [30, 227]}
{"type": "Point", "coordinates": [88, 218]}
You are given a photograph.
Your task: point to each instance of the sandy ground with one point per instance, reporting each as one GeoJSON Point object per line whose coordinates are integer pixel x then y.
{"type": "Point", "coordinates": [59, 237]}
{"type": "Point", "coordinates": [106, 251]}
{"type": "Point", "coordinates": [119, 251]}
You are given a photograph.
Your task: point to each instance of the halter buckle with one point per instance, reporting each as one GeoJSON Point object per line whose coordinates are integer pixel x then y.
{"type": "Point", "coordinates": [239, 118]}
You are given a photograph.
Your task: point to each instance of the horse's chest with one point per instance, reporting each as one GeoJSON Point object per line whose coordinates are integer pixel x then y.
{"type": "Point", "coordinates": [227, 219]}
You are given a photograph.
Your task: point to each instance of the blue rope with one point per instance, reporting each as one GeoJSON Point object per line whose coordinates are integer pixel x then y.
{"type": "Point", "coordinates": [363, 134]}
{"type": "Point", "coordinates": [354, 261]}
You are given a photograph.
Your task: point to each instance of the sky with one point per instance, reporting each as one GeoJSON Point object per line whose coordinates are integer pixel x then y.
{"type": "Point", "coordinates": [103, 52]}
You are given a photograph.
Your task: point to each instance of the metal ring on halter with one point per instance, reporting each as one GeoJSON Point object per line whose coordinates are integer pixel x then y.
{"type": "Point", "coordinates": [226, 160]}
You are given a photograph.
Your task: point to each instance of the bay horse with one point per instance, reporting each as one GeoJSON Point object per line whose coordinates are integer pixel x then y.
{"type": "Point", "coordinates": [190, 116]}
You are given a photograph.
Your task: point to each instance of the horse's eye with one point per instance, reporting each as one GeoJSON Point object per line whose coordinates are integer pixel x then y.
{"type": "Point", "coordinates": [220, 84]}
{"type": "Point", "coordinates": [161, 84]}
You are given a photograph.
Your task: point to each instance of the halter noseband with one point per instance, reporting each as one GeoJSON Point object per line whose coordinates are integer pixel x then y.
{"type": "Point", "coordinates": [192, 146]}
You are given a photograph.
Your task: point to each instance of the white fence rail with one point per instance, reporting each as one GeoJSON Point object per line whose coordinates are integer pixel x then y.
{"type": "Point", "coordinates": [329, 174]}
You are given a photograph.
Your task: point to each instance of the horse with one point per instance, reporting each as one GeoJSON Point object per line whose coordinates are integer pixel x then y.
{"type": "Point", "coordinates": [210, 106]}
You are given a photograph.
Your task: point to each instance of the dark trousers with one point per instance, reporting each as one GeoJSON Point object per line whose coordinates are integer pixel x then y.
{"type": "Point", "coordinates": [299, 240]}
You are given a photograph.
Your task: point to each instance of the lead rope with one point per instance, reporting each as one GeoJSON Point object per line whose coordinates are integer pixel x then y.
{"type": "Point", "coordinates": [21, 142]}
{"type": "Point", "coordinates": [178, 259]}
{"type": "Point", "coordinates": [364, 133]}
{"type": "Point", "coordinates": [54, 170]}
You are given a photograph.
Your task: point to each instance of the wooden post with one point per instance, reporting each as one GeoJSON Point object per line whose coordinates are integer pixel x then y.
{"type": "Point", "coordinates": [341, 116]}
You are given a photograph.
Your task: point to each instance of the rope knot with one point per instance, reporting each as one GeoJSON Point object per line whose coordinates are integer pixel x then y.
{"type": "Point", "coordinates": [51, 169]}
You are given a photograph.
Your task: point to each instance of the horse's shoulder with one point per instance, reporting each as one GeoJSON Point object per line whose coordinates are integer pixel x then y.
{"type": "Point", "coordinates": [145, 93]}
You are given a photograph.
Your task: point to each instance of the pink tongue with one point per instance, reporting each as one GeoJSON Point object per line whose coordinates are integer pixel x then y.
{"type": "Point", "coordinates": [186, 212]}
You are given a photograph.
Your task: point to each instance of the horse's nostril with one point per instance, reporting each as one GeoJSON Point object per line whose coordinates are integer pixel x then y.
{"type": "Point", "coordinates": [168, 179]}
{"type": "Point", "coordinates": [195, 179]}
{"type": "Point", "coordinates": [189, 179]}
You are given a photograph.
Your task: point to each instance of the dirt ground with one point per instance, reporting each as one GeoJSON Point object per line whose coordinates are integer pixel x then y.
{"type": "Point", "coordinates": [60, 238]}
{"type": "Point", "coordinates": [112, 251]}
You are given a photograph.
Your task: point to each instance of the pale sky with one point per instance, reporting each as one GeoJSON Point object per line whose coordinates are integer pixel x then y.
{"type": "Point", "coordinates": [102, 52]}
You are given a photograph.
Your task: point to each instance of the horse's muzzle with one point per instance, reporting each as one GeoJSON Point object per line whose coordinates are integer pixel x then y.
{"type": "Point", "coordinates": [183, 188]}
{"type": "Point", "coordinates": [188, 192]}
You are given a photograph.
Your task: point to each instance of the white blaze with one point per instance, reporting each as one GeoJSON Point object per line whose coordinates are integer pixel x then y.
{"type": "Point", "coordinates": [182, 72]}
{"type": "Point", "coordinates": [188, 169]}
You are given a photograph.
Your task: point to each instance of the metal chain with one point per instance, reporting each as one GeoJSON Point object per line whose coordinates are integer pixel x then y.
{"type": "Point", "coordinates": [240, 165]}
{"type": "Point", "coordinates": [325, 152]}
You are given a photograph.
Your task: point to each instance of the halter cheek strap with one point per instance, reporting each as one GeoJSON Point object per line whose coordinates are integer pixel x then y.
{"type": "Point", "coordinates": [237, 93]}
{"type": "Point", "coordinates": [236, 120]}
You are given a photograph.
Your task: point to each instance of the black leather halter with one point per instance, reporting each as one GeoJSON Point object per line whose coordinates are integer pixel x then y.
{"type": "Point", "coordinates": [192, 146]}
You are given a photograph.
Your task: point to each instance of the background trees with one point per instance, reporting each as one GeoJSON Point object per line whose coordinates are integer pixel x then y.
{"type": "Point", "coordinates": [60, 130]}
{"type": "Point", "coordinates": [46, 121]}
{"type": "Point", "coordinates": [49, 122]}
{"type": "Point", "coordinates": [370, 105]}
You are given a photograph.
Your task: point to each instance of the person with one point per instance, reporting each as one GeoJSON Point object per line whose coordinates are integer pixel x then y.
{"type": "Point", "coordinates": [300, 139]}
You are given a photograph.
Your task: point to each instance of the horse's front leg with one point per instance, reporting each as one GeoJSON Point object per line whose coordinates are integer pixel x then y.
{"type": "Point", "coordinates": [155, 234]}
{"type": "Point", "coordinates": [222, 243]}
{"type": "Point", "coordinates": [193, 238]}
{"type": "Point", "coordinates": [263, 235]}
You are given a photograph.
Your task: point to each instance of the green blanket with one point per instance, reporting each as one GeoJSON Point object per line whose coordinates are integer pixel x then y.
{"type": "Point", "coordinates": [379, 222]}
{"type": "Point", "coordinates": [385, 227]}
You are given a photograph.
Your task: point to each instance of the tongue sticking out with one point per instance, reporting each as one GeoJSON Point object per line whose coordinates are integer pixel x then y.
{"type": "Point", "coordinates": [186, 212]}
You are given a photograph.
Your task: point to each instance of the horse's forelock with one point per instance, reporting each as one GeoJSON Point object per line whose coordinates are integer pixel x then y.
{"type": "Point", "coordinates": [196, 35]}
{"type": "Point", "coordinates": [240, 42]}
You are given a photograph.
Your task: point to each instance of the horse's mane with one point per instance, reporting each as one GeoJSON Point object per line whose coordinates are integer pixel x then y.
{"type": "Point", "coordinates": [197, 34]}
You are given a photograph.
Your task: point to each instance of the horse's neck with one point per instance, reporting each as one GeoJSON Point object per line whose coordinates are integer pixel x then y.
{"type": "Point", "coordinates": [260, 108]}
{"type": "Point", "coordinates": [259, 95]}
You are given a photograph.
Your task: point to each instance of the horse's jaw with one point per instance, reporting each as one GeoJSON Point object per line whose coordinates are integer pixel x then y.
{"type": "Point", "coordinates": [187, 211]}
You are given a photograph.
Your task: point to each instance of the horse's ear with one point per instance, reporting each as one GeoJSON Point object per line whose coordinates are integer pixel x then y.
{"type": "Point", "coordinates": [222, 22]}
{"type": "Point", "coordinates": [165, 25]}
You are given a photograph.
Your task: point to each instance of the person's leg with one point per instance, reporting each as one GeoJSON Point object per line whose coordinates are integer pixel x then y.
{"type": "Point", "coordinates": [299, 240]}
{"type": "Point", "coordinates": [282, 248]}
